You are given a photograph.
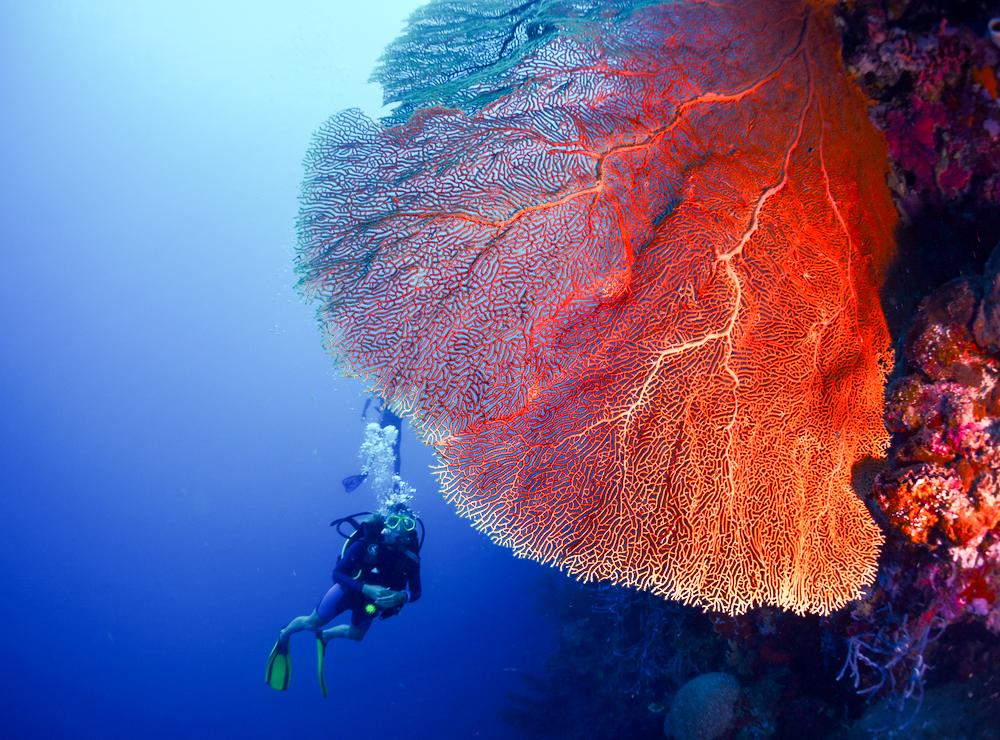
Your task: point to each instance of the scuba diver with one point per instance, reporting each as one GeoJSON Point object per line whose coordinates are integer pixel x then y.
{"type": "Point", "coordinates": [378, 571]}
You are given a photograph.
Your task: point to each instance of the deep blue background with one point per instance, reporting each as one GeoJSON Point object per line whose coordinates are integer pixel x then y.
{"type": "Point", "coordinates": [172, 435]}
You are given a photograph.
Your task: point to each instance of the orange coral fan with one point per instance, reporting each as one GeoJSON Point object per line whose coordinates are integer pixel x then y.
{"type": "Point", "coordinates": [630, 294]}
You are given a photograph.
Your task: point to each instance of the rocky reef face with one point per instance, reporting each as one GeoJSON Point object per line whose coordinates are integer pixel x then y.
{"type": "Point", "coordinates": [931, 68]}
{"type": "Point", "coordinates": [942, 491]}
{"type": "Point", "coordinates": [939, 496]}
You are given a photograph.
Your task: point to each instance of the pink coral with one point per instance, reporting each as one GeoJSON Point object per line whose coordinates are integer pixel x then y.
{"type": "Point", "coordinates": [942, 489]}
{"type": "Point", "coordinates": [936, 99]}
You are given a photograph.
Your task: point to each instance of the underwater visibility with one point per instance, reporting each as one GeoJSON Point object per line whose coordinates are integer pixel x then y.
{"type": "Point", "coordinates": [655, 392]}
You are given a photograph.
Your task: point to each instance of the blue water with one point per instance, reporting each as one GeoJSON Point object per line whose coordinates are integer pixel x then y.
{"type": "Point", "coordinates": [173, 436]}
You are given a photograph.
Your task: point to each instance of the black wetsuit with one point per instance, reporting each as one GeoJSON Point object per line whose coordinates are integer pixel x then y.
{"type": "Point", "coordinates": [369, 563]}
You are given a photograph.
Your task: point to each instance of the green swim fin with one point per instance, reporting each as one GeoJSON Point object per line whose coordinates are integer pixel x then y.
{"type": "Point", "coordinates": [279, 667]}
{"type": "Point", "coordinates": [320, 654]}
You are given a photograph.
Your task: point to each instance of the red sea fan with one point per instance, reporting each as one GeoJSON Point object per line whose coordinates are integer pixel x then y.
{"type": "Point", "coordinates": [622, 270]}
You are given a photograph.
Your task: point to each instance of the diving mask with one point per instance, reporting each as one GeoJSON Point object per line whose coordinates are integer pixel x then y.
{"type": "Point", "coordinates": [400, 521]}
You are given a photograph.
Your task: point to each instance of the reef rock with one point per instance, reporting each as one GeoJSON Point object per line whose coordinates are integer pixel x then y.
{"type": "Point", "coordinates": [942, 489]}
{"type": "Point", "coordinates": [704, 708]}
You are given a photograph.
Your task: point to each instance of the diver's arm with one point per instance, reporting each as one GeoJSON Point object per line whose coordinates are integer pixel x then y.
{"type": "Point", "coordinates": [343, 574]}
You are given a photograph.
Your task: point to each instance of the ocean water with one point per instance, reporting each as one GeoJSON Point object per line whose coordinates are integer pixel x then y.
{"type": "Point", "coordinates": [173, 435]}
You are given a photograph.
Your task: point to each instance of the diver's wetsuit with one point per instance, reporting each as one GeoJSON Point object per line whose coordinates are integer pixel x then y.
{"type": "Point", "coordinates": [368, 563]}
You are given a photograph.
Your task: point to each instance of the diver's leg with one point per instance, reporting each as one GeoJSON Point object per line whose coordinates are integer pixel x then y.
{"type": "Point", "coordinates": [344, 631]}
{"type": "Point", "coordinates": [356, 630]}
{"type": "Point", "coordinates": [307, 622]}
{"type": "Point", "coordinates": [328, 607]}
